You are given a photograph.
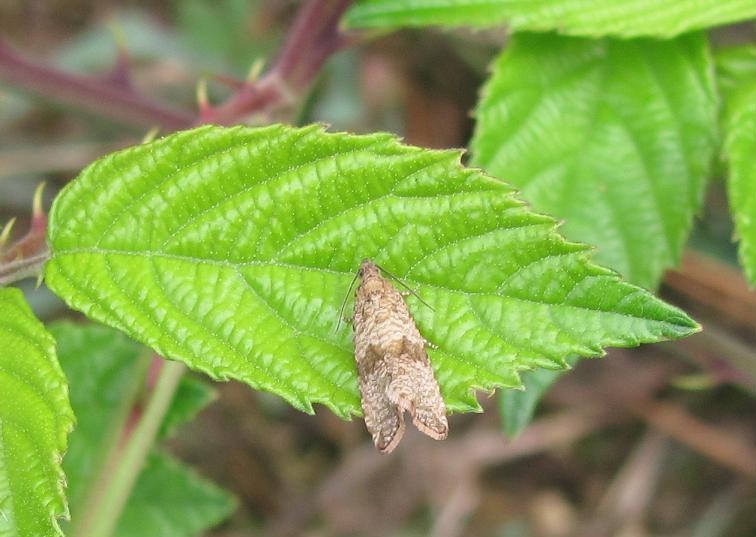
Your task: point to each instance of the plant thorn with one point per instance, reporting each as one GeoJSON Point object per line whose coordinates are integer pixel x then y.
{"type": "Point", "coordinates": [5, 234]}
{"type": "Point", "coordinates": [255, 69]}
{"type": "Point", "coordinates": [119, 36]}
{"type": "Point", "coordinates": [151, 134]}
{"type": "Point", "coordinates": [202, 101]}
{"type": "Point", "coordinates": [37, 211]}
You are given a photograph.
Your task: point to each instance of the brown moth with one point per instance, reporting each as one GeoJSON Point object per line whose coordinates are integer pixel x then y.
{"type": "Point", "coordinates": [394, 370]}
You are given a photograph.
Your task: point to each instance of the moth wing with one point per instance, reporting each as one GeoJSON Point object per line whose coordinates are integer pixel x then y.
{"type": "Point", "coordinates": [383, 418]}
{"type": "Point", "coordinates": [414, 388]}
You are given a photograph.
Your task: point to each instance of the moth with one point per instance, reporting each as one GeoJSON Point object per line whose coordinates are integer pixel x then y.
{"type": "Point", "coordinates": [395, 373]}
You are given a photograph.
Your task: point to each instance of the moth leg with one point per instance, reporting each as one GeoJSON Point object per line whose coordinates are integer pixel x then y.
{"type": "Point", "coordinates": [414, 388]}
{"type": "Point", "coordinates": [345, 320]}
{"type": "Point", "coordinates": [383, 418]}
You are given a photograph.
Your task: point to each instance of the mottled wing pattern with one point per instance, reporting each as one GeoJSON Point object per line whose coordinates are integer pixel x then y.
{"type": "Point", "coordinates": [414, 388]}
{"type": "Point", "coordinates": [394, 369]}
{"type": "Point", "coordinates": [383, 419]}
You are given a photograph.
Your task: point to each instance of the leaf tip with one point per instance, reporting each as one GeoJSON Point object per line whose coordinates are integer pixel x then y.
{"type": "Point", "coordinates": [687, 324]}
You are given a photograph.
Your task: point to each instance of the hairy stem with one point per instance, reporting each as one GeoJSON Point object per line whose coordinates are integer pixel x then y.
{"type": "Point", "coordinates": [14, 271]}
{"type": "Point", "coordinates": [133, 454]}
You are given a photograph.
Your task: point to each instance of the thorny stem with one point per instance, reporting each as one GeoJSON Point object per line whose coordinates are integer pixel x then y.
{"type": "Point", "coordinates": [23, 268]}
{"type": "Point", "coordinates": [105, 97]}
{"type": "Point", "coordinates": [312, 39]}
{"type": "Point", "coordinates": [25, 257]}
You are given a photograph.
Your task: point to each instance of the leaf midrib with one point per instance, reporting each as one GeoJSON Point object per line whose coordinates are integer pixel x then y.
{"type": "Point", "coordinates": [236, 266]}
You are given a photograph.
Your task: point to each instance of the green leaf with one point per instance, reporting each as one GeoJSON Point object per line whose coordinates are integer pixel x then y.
{"type": "Point", "coordinates": [616, 137]}
{"type": "Point", "coordinates": [171, 500]}
{"type": "Point", "coordinates": [518, 406]}
{"type": "Point", "coordinates": [35, 419]}
{"type": "Point", "coordinates": [627, 18]}
{"type": "Point", "coordinates": [192, 395]}
{"type": "Point", "coordinates": [740, 151]}
{"type": "Point", "coordinates": [232, 249]}
{"type": "Point", "coordinates": [106, 372]}
{"type": "Point", "coordinates": [734, 66]}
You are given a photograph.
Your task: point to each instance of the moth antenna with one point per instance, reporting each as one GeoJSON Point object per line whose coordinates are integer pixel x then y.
{"type": "Point", "coordinates": [407, 287]}
{"type": "Point", "coordinates": [343, 303]}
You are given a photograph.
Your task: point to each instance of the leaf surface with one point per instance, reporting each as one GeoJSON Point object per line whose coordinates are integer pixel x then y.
{"type": "Point", "coordinates": [740, 153]}
{"type": "Point", "coordinates": [735, 66]}
{"type": "Point", "coordinates": [615, 137]}
{"type": "Point", "coordinates": [232, 249]}
{"type": "Point", "coordinates": [106, 372]}
{"type": "Point", "coordinates": [35, 419]}
{"type": "Point", "coordinates": [627, 18]}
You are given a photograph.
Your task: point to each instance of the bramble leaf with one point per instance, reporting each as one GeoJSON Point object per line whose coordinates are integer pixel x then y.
{"type": "Point", "coordinates": [627, 18]}
{"type": "Point", "coordinates": [35, 419]}
{"type": "Point", "coordinates": [616, 137]}
{"type": "Point", "coordinates": [232, 249]}
{"type": "Point", "coordinates": [740, 152]}
{"type": "Point", "coordinates": [106, 372]}
{"type": "Point", "coordinates": [734, 66]}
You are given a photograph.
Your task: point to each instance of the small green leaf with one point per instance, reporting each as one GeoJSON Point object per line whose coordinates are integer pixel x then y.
{"type": "Point", "coordinates": [192, 395]}
{"type": "Point", "coordinates": [627, 18]}
{"type": "Point", "coordinates": [35, 419]}
{"type": "Point", "coordinates": [171, 500]}
{"type": "Point", "coordinates": [740, 151]}
{"type": "Point", "coordinates": [734, 66]}
{"type": "Point", "coordinates": [232, 249]}
{"type": "Point", "coordinates": [106, 372]}
{"type": "Point", "coordinates": [616, 137]}
{"type": "Point", "coordinates": [518, 406]}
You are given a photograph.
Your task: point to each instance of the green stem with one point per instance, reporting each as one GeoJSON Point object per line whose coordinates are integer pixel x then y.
{"type": "Point", "coordinates": [107, 457]}
{"type": "Point", "coordinates": [134, 453]}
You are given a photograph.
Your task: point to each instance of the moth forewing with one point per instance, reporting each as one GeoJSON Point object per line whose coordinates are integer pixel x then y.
{"type": "Point", "coordinates": [395, 373]}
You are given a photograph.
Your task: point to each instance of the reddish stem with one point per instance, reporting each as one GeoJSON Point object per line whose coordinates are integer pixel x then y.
{"type": "Point", "coordinates": [101, 96]}
{"type": "Point", "coordinates": [313, 37]}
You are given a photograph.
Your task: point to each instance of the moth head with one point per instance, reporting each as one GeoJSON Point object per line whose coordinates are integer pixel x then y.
{"type": "Point", "coordinates": [368, 268]}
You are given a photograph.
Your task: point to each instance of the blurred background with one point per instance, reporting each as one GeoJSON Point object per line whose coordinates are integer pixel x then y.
{"type": "Point", "coordinates": [656, 441]}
